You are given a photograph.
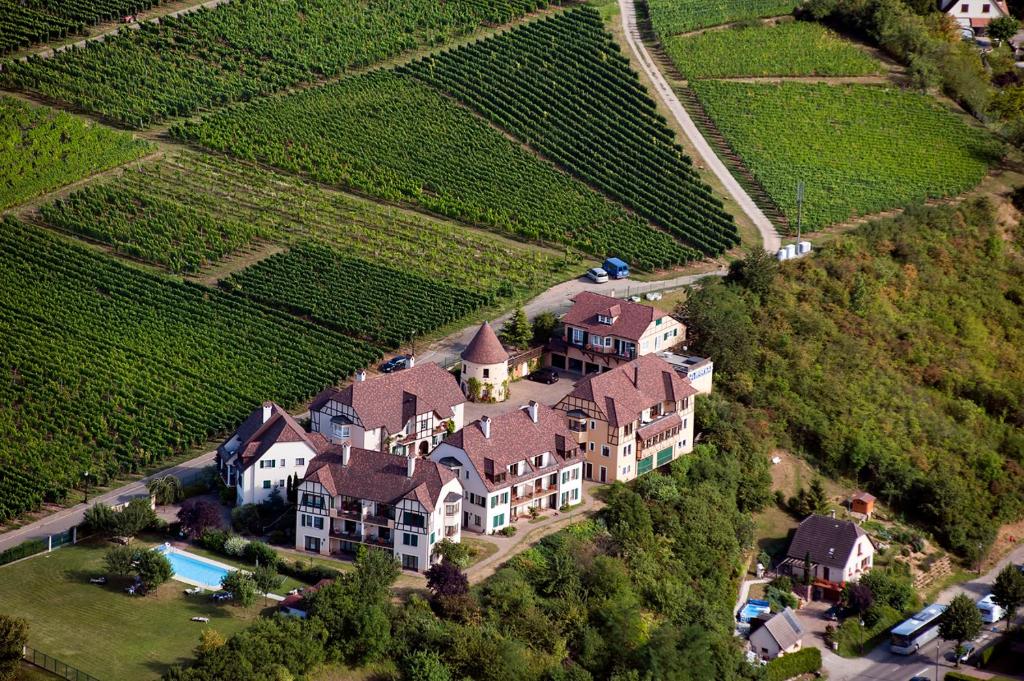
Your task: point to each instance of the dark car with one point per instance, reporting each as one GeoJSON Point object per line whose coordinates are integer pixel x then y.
{"type": "Point", "coordinates": [396, 363]}
{"type": "Point", "coordinates": [545, 375]}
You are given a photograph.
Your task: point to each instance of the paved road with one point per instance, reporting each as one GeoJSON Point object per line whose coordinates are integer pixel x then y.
{"type": "Point", "coordinates": [70, 517]}
{"type": "Point", "coordinates": [558, 299]}
{"type": "Point", "coordinates": [769, 236]}
{"type": "Point", "coordinates": [881, 665]}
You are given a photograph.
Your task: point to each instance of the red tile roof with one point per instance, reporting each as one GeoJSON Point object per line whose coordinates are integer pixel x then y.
{"type": "Point", "coordinates": [485, 348]}
{"type": "Point", "coordinates": [828, 541]}
{"type": "Point", "coordinates": [256, 436]}
{"type": "Point", "coordinates": [630, 319]}
{"type": "Point", "coordinates": [294, 600]}
{"type": "Point", "coordinates": [378, 477]}
{"type": "Point", "coordinates": [389, 401]}
{"type": "Point", "coordinates": [515, 437]}
{"type": "Point", "coordinates": [623, 393]}
{"type": "Point", "coordinates": [864, 496]}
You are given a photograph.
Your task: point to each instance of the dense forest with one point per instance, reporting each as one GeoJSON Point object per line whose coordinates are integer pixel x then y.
{"type": "Point", "coordinates": [892, 356]}
{"type": "Point", "coordinates": [643, 592]}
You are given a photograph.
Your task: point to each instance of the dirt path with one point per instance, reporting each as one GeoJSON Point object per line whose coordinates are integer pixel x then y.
{"type": "Point", "coordinates": [770, 240]}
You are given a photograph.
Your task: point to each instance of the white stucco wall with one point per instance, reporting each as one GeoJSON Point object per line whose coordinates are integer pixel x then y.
{"type": "Point", "coordinates": [498, 374]}
{"type": "Point", "coordinates": [251, 481]}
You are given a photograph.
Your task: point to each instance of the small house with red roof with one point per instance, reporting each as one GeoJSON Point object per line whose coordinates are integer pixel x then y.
{"type": "Point", "coordinates": [975, 15]}
{"type": "Point", "coordinates": [511, 463]}
{"type": "Point", "coordinates": [293, 604]}
{"type": "Point", "coordinates": [484, 374]}
{"type": "Point", "coordinates": [353, 498]}
{"type": "Point", "coordinates": [600, 333]}
{"type": "Point", "coordinates": [407, 412]}
{"type": "Point", "coordinates": [269, 447]}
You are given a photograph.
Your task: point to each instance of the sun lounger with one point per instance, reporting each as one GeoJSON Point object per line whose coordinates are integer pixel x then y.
{"type": "Point", "coordinates": [200, 619]}
{"type": "Point", "coordinates": [97, 580]}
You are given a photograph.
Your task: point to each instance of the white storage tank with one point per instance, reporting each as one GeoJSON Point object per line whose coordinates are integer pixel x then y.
{"type": "Point", "coordinates": [803, 248]}
{"type": "Point", "coordinates": [782, 254]}
{"type": "Point", "coordinates": [790, 251]}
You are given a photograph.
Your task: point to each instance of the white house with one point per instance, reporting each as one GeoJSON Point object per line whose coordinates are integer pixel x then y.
{"type": "Point", "coordinates": [839, 551]}
{"type": "Point", "coordinates": [266, 449]}
{"type": "Point", "coordinates": [975, 15]}
{"type": "Point", "coordinates": [780, 635]}
{"type": "Point", "coordinates": [355, 497]}
{"type": "Point", "coordinates": [407, 412]}
{"type": "Point", "coordinates": [512, 462]}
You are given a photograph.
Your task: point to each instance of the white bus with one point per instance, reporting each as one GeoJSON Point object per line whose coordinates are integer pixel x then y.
{"type": "Point", "coordinates": [910, 636]}
{"type": "Point", "coordinates": [991, 611]}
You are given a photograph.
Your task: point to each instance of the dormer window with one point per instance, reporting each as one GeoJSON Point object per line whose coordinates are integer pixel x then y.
{"type": "Point", "coordinates": [604, 319]}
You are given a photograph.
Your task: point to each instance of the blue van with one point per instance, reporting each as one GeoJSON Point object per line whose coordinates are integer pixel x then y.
{"type": "Point", "coordinates": [616, 268]}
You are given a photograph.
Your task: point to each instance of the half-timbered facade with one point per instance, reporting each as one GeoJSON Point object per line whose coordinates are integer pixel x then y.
{"type": "Point", "coordinates": [354, 497]}
{"type": "Point", "coordinates": [267, 449]}
{"type": "Point", "coordinates": [511, 463]}
{"type": "Point", "coordinates": [407, 412]}
{"type": "Point", "coordinates": [630, 420]}
{"type": "Point", "coordinates": [599, 333]}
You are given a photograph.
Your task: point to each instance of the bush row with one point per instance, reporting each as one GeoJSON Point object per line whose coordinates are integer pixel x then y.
{"type": "Point", "coordinates": [794, 664]}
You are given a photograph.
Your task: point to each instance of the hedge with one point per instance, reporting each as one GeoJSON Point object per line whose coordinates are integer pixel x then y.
{"type": "Point", "coordinates": [793, 664]}
{"type": "Point", "coordinates": [960, 676]}
{"type": "Point", "coordinates": [22, 550]}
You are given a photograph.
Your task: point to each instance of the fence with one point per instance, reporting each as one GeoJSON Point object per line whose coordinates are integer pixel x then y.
{"type": "Point", "coordinates": [55, 666]}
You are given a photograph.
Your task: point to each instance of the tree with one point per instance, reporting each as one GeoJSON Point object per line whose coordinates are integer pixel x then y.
{"type": "Point", "coordinates": [961, 622]}
{"type": "Point", "coordinates": [456, 552]}
{"type": "Point", "coordinates": [808, 569]}
{"type": "Point", "coordinates": [544, 326]}
{"type": "Point", "coordinates": [1003, 28]}
{"type": "Point", "coordinates": [755, 272]}
{"type": "Point", "coordinates": [859, 597]}
{"type": "Point", "coordinates": [241, 585]}
{"type": "Point", "coordinates": [517, 331]}
{"type": "Point", "coordinates": [119, 560]}
{"type": "Point", "coordinates": [267, 580]}
{"type": "Point", "coordinates": [153, 568]}
{"type": "Point", "coordinates": [137, 516]}
{"type": "Point", "coordinates": [425, 666]}
{"type": "Point", "coordinates": [446, 579]}
{"type": "Point", "coordinates": [209, 641]}
{"type": "Point", "coordinates": [719, 325]}
{"type": "Point", "coordinates": [197, 515]}
{"type": "Point", "coordinates": [13, 639]}
{"type": "Point", "coordinates": [261, 553]}
{"type": "Point", "coordinates": [166, 489]}
{"type": "Point", "coordinates": [101, 519]}
{"type": "Point", "coordinates": [375, 572]}
{"type": "Point", "coordinates": [1008, 591]}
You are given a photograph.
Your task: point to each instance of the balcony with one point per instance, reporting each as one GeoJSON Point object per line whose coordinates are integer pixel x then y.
{"type": "Point", "coordinates": [368, 539]}
{"type": "Point", "coordinates": [381, 520]}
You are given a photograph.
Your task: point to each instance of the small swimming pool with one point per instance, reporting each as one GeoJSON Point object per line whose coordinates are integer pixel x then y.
{"type": "Point", "coordinates": [752, 608]}
{"type": "Point", "coordinates": [192, 569]}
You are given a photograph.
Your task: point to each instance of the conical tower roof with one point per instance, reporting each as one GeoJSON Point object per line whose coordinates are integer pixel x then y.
{"type": "Point", "coordinates": [485, 348]}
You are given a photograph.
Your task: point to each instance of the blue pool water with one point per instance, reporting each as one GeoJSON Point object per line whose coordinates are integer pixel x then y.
{"type": "Point", "coordinates": [752, 609]}
{"type": "Point", "coordinates": [193, 568]}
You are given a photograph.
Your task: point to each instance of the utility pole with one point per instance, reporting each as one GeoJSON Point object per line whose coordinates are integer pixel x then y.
{"type": "Point", "coordinates": [799, 208]}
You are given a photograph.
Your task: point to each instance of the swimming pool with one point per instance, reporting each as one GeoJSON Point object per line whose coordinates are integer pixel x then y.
{"type": "Point", "coordinates": [192, 569]}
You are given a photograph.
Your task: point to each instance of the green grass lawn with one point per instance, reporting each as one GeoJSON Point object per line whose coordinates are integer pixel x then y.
{"type": "Point", "coordinates": [100, 629]}
{"type": "Point", "coordinates": [481, 548]}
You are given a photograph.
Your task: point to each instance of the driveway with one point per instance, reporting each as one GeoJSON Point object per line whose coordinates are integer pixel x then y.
{"type": "Point", "coordinates": [520, 393]}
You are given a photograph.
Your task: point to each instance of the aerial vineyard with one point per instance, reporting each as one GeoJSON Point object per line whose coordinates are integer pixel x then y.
{"type": "Point", "coordinates": [561, 85]}
{"type": "Point", "coordinates": [671, 17]}
{"type": "Point", "coordinates": [381, 304]}
{"type": "Point", "coordinates": [165, 232]}
{"type": "Point", "coordinates": [790, 48]}
{"type": "Point", "coordinates": [860, 149]}
{"type": "Point", "coordinates": [107, 368]}
{"type": "Point", "coordinates": [41, 149]}
{"type": "Point", "coordinates": [388, 135]}
{"type": "Point", "coordinates": [286, 209]}
{"type": "Point", "coordinates": [24, 22]}
{"type": "Point", "coordinates": [243, 49]}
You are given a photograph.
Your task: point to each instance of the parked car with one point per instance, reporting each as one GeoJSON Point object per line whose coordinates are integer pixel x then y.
{"type": "Point", "coordinates": [920, 678]}
{"type": "Point", "coordinates": [968, 650]}
{"type": "Point", "coordinates": [545, 375]}
{"type": "Point", "coordinates": [396, 363]}
{"type": "Point", "coordinates": [616, 268]}
{"type": "Point", "coordinates": [635, 299]}
{"type": "Point", "coordinates": [597, 275]}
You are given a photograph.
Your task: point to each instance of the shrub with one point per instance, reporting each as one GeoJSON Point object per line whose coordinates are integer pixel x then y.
{"type": "Point", "coordinates": [794, 664]}
{"type": "Point", "coordinates": [235, 545]}
{"type": "Point", "coordinates": [305, 572]}
{"type": "Point", "coordinates": [22, 550]}
{"type": "Point", "coordinates": [456, 553]}
{"type": "Point", "coordinates": [228, 495]}
{"type": "Point", "coordinates": [257, 552]}
{"type": "Point", "coordinates": [213, 540]}
{"type": "Point", "coordinates": [246, 518]}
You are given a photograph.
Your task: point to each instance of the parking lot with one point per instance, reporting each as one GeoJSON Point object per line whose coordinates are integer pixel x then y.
{"type": "Point", "coordinates": [520, 393]}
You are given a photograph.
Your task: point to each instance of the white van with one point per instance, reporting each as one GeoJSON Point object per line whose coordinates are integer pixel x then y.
{"type": "Point", "coordinates": [990, 610]}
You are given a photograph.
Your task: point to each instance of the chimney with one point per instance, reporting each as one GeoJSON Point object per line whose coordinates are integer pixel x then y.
{"type": "Point", "coordinates": [485, 426]}
{"type": "Point", "coordinates": [833, 514]}
{"type": "Point", "coordinates": [360, 375]}
{"type": "Point", "coordinates": [636, 375]}
{"type": "Point", "coordinates": [346, 452]}
{"type": "Point", "coordinates": [267, 408]}
{"type": "Point", "coordinates": [532, 408]}
{"type": "Point", "coordinates": [412, 361]}
{"type": "Point", "coordinates": [410, 466]}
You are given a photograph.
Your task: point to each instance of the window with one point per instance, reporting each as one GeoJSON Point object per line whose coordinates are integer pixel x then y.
{"type": "Point", "coordinates": [318, 522]}
{"type": "Point", "coordinates": [266, 484]}
{"type": "Point", "coordinates": [410, 539]}
{"type": "Point", "coordinates": [300, 462]}
{"type": "Point", "coordinates": [985, 8]}
{"type": "Point", "coordinates": [607, 341]}
{"type": "Point", "coordinates": [313, 544]}
{"type": "Point", "coordinates": [451, 509]}
{"type": "Point", "coordinates": [268, 464]}
{"type": "Point", "coordinates": [964, 8]}
{"type": "Point", "coordinates": [593, 425]}
{"type": "Point", "coordinates": [283, 463]}
{"type": "Point", "coordinates": [577, 336]}
{"type": "Point", "coordinates": [606, 450]}
{"type": "Point", "coordinates": [626, 469]}
{"type": "Point", "coordinates": [432, 538]}
{"type": "Point", "coordinates": [280, 483]}
{"type": "Point", "coordinates": [467, 478]}
{"type": "Point", "coordinates": [627, 429]}
{"type": "Point", "coordinates": [565, 477]}
{"type": "Point", "coordinates": [306, 519]}
{"type": "Point", "coordinates": [487, 373]}
{"type": "Point", "coordinates": [576, 494]}
{"type": "Point", "coordinates": [314, 500]}
{"type": "Point", "coordinates": [413, 519]}
{"type": "Point", "coordinates": [657, 322]}
{"type": "Point", "coordinates": [591, 446]}
{"type": "Point", "coordinates": [494, 500]}
{"type": "Point", "coordinates": [499, 520]}
{"type": "Point", "coordinates": [504, 497]}
{"type": "Point", "coordinates": [411, 563]}
{"type": "Point", "coordinates": [628, 450]}
{"type": "Point", "coordinates": [596, 341]}
{"type": "Point", "coordinates": [477, 520]}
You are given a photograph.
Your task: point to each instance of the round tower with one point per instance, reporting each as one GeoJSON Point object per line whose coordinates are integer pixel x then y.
{"type": "Point", "coordinates": [485, 367]}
